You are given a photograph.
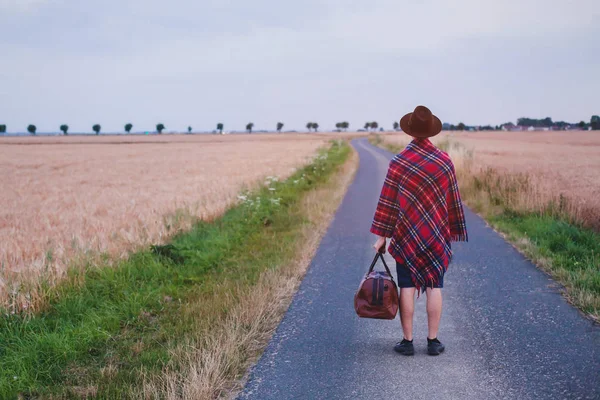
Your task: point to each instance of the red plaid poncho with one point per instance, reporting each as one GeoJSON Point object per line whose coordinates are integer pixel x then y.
{"type": "Point", "coordinates": [421, 210]}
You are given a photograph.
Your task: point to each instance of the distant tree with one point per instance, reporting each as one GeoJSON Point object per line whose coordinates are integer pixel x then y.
{"type": "Point", "coordinates": [461, 126]}
{"type": "Point", "coordinates": [31, 129]}
{"type": "Point", "coordinates": [396, 125]}
{"type": "Point", "coordinates": [2, 128]}
{"type": "Point", "coordinates": [64, 128]}
{"type": "Point", "coordinates": [312, 125]}
{"type": "Point", "coordinates": [279, 126]}
{"type": "Point", "coordinates": [160, 128]}
{"type": "Point", "coordinates": [249, 127]}
{"type": "Point", "coordinates": [536, 123]}
{"type": "Point", "coordinates": [562, 125]}
{"type": "Point", "coordinates": [189, 129]}
{"type": "Point", "coordinates": [342, 125]}
{"type": "Point", "coordinates": [581, 124]}
{"type": "Point", "coordinates": [96, 128]}
{"type": "Point", "coordinates": [128, 127]}
{"type": "Point", "coordinates": [367, 125]}
{"type": "Point", "coordinates": [595, 122]}
{"type": "Point", "coordinates": [220, 127]}
{"type": "Point", "coordinates": [374, 125]}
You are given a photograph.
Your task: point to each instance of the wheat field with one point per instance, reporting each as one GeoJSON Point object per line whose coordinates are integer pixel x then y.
{"type": "Point", "coordinates": [556, 164]}
{"type": "Point", "coordinates": [69, 199]}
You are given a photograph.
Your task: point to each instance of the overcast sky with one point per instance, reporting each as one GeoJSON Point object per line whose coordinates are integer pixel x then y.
{"type": "Point", "coordinates": [199, 62]}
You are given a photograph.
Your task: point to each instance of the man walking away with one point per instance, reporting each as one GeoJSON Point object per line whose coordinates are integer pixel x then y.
{"type": "Point", "coordinates": [421, 211]}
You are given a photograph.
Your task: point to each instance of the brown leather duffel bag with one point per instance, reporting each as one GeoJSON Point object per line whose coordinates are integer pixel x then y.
{"type": "Point", "coordinates": [377, 295]}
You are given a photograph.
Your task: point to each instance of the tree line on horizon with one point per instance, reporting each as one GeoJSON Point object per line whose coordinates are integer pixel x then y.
{"type": "Point", "coordinates": [524, 122]}
{"type": "Point", "coordinates": [32, 129]}
{"type": "Point", "coordinates": [547, 122]}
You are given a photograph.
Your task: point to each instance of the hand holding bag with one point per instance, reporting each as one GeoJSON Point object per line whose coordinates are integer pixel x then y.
{"type": "Point", "coordinates": [377, 294]}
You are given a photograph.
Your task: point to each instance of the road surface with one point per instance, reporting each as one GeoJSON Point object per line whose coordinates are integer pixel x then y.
{"type": "Point", "coordinates": [508, 332]}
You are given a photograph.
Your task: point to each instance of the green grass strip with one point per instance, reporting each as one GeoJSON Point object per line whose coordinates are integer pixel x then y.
{"type": "Point", "coordinates": [570, 253]}
{"type": "Point", "coordinates": [93, 325]}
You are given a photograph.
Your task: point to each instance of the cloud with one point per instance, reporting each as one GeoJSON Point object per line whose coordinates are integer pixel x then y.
{"type": "Point", "coordinates": [190, 62]}
{"type": "Point", "coordinates": [21, 6]}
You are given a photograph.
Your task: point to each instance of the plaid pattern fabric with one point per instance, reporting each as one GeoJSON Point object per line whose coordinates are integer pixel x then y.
{"type": "Point", "coordinates": [421, 211]}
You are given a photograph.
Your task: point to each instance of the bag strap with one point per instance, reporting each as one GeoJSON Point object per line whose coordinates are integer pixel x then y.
{"type": "Point", "coordinates": [380, 256]}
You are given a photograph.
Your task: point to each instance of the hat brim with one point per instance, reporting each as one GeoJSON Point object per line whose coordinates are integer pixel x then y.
{"type": "Point", "coordinates": [436, 127]}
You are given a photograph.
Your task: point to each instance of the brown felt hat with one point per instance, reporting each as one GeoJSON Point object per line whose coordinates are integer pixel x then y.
{"type": "Point", "coordinates": [421, 123]}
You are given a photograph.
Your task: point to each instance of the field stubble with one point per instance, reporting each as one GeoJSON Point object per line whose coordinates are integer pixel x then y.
{"type": "Point", "coordinates": [68, 200]}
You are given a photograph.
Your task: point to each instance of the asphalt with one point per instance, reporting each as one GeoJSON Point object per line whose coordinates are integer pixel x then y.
{"type": "Point", "coordinates": [509, 334]}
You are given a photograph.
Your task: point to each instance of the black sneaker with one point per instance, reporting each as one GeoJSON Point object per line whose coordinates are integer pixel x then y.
{"type": "Point", "coordinates": [405, 347]}
{"type": "Point", "coordinates": [434, 347]}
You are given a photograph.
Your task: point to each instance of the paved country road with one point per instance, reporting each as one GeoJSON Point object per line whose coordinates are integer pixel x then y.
{"type": "Point", "coordinates": [508, 332]}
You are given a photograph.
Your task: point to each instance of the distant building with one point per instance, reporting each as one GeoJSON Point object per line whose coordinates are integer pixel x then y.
{"type": "Point", "coordinates": [508, 126]}
{"type": "Point", "coordinates": [538, 128]}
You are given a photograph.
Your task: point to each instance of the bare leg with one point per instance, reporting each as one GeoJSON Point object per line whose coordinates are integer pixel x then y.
{"type": "Point", "coordinates": [434, 311]}
{"type": "Point", "coordinates": [407, 310]}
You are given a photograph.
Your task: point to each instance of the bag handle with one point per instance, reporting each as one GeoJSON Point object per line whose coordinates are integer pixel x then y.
{"type": "Point", "coordinates": [380, 255]}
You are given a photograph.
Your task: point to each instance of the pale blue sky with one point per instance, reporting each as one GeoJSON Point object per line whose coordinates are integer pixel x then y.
{"type": "Point", "coordinates": [199, 62]}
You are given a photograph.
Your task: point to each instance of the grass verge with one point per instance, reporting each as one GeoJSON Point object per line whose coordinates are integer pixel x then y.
{"type": "Point", "coordinates": [181, 320]}
{"type": "Point", "coordinates": [547, 231]}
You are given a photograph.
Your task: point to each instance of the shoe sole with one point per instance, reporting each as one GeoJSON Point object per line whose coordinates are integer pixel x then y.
{"type": "Point", "coordinates": [435, 353]}
{"type": "Point", "coordinates": [406, 353]}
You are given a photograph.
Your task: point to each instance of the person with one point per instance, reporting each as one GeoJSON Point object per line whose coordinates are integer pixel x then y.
{"type": "Point", "coordinates": [420, 209]}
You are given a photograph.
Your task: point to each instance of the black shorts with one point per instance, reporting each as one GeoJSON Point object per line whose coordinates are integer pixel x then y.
{"type": "Point", "coordinates": [404, 280]}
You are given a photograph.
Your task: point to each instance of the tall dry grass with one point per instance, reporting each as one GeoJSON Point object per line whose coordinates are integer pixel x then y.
{"type": "Point", "coordinates": [67, 201]}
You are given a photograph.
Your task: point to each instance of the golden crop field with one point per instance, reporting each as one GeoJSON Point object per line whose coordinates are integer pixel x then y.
{"type": "Point", "coordinates": [555, 163]}
{"type": "Point", "coordinates": [64, 197]}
